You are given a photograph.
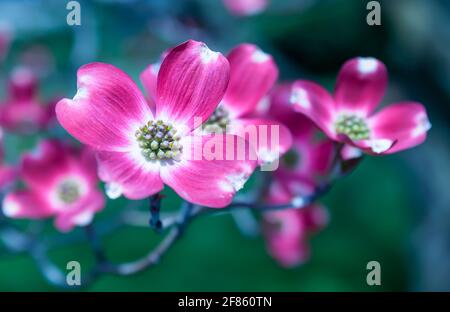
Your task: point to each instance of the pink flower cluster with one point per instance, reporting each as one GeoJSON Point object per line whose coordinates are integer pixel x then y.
{"type": "Point", "coordinates": [200, 100]}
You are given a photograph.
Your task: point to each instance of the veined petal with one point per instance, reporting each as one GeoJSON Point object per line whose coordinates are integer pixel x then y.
{"type": "Point", "coordinates": [148, 79]}
{"type": "Point", "coordinates": [406, 123]}
{"type": "Point", "coordinates": [316, 103]}
{"type": "Point", "coordinates": [25, 204]}
{"type": "Point", "coordinates": [269, 138]}
{"type": "Point", "coordinates": [135, 177]}
{"type": "Point", "coordinates": [212, 169]}
{"type": "Point", "coordinates": [253, 74]}
{"type": "Point", "coordinates": [191, 82]}
{"type": "Point", "coordinates": [106, 110]}
{"type": "Point", "coordinates": [360, 85]}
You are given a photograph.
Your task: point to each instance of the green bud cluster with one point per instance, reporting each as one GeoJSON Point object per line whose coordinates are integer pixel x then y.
{"type": "Point", "coordinates": [218, 121]}
{"type": "Point", "coordinates": [68, 192]}
{"type": "Point", "coordinates": [354, 127]}
{"type": "Point", "coordinates": [159, 141]}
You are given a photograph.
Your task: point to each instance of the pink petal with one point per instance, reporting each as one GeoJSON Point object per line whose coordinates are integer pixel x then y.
{"type": "Point", "coordinates": [7, 175]}
{"type": "Point", "coordinates": [210, 180]}
{"type": "Point", "coordinates": [148, 79]}
{"type": "Point", "coordinates": [253, 73]}
{"type": "Point", "coordinates": [82, 214]}
{"type": "Point", "coordinates": [316, 103]}
{"type": "Point", "coordinates": [406, 123]}
{"type": "Point", "coordinates": [245, 7]}
{"type": "Point", "coordinates": [25, 204]}
{"type": "Point", "coordinates": [191, 82]}
{"type": "Point", "coordinates": [287, 233]}
{"type": "Point", "coordinates": [134, 176]}
{"type": "Point", "coordinates": [269, 138]}
{"type": "Point", "coordinates": [360, 85]}
{"type": "Point", "coordinates": [41, 167]}
{"type": "Point", "coordinates": [106, 110]}
{"type": "Point", "coordinates": [22, 85]}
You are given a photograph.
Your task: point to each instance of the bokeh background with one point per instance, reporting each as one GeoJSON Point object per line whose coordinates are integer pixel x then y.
{"type": "Point", "coordinates": [393, 209]}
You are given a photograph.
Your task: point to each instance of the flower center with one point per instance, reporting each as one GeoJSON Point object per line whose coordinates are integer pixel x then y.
{"type": "Point", "coordinates": [68, 191]}
{"type": "Point", "coordinates": [218, 121]}
{"type": "Point", "coordinates": [353, 126]}
{"type": "Point", "coordinates": [159, 141]}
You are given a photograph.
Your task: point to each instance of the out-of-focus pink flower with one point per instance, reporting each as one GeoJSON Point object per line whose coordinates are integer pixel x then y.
{"type": "Point", "coordinates": [138, 151]}
{"type": "Point", "coordinates": [287, 232]}
{"type": "Point", "coordinates": [245, 7]}
{"type": "Point", "coordinates": [60, 182]}
{"type": "Point", "coordinates": [5, 40]}
{"type": "Point", "coordinates": [253, 74]}
{"type": "Point", "coordinates": [310, 156]}
{"type": "Point", "coordinates": [348, 115]}
{"type": "Point", "coordinates": [22, 111]}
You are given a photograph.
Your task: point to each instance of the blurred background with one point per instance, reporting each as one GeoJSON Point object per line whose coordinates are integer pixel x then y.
{"type": "Point", "coordinates": [393, 209]}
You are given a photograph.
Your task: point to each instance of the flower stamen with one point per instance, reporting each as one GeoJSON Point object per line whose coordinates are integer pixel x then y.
{"type": "Point", "coordinates": [353, 126]}
{"type": "Point", "coordinates": [218, 121]}
{"type": "Point", "coordinates": [68, 191]}
{"type": "Point", "coordinates": [159, 141]}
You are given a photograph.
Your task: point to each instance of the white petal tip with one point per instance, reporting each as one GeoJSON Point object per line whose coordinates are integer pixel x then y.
{"type": "Point", "coordinates": [381, 145]}
{"type": "Point", "coordinates": [300, 97]}
{"type": "Point", "coordinates": [10, 208]}
{"type": "Point", "coordinates": [367, 65]}
{"type": "Point", "coordinates": [207, 55]}
{"type": "Point", "coordinates": [297, 202]}
{"type": "Point", "coordinates": [113, 190]}
{"type": "Point", "coordinates": [260, 57]}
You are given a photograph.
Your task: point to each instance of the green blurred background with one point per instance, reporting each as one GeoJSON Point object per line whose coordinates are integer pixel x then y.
{"type": "Point", "coordinates": [394, 209]}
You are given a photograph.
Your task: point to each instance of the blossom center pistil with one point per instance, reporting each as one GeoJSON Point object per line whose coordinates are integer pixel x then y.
{"type": "Point", "coordinates": [68, 191]}
{"type": "Point", "coordinates": [158, 140]}
{"type": "Point", "coordinates": [218, 121]}
{"type": "Point", "coordinates": [353, 126]}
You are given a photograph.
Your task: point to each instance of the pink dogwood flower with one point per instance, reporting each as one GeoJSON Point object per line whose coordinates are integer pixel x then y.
{"type": "Point", "coordinates": [309, 157]}
{"type": "Point", "coordinates": [59, 182]}
{"type": "Point", "coordinates": [349, 116]}
{"type": "Point", "coordinates": [288, 231]}
{"type": "Point", "coordinates": [245, 7]}
{"type": "Point", "coordinates": [138, 151]}
{"type": "Point", "coordinates": [252, 74]}
{"type": "Point", "coordinates": [22, 111]}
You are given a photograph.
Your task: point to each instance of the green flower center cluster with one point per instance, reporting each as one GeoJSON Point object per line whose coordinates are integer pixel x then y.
{"type": "Point", "coordinates": [353, 126]}
{"type": "Point", "coordinates": [68, 191]}
{"type": "Point", "coordinates": [218, 121]}
{"type": "Point", "coordinates": [159, 141]}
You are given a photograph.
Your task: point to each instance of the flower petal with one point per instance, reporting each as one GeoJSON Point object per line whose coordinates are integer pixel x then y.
{"type": "Point", "coordinates": [245, 7]}
{"type": "Point", "coordinates": [148, 79]}
{"type": "Point", "coordinates": [406, 123]}
{"type": "Point", "coordinates": [191, 82]}
{"type": "Point", "coordinates": [316, 103]}
{"type": "Point", "coordinates": [253, 74]}
{"type": "Point", "coordinates": [82, 214]}
{"type": "Point", "coordinates": [132, 175]}
{"type": "Point", "coordinates": [108, 107]}
{"type": "Point", "coordinates": [269, 138]}
{"type": "Point", "coordinates": [25, 204]}
{"type": "Point", "coordinates": [41, 167]}
{"type": "Point", "coordinates": [360, 85]}
{"type": "Point", "coordinates": [211, 169]}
